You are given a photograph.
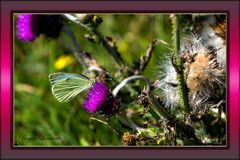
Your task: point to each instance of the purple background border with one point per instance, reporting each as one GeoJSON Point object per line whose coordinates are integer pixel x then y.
{"type": "Point", "coordinates": [8, 7]}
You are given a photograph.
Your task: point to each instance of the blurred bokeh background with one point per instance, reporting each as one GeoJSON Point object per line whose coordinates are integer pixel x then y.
{"type": "Point", "coordinates": [38, 114]}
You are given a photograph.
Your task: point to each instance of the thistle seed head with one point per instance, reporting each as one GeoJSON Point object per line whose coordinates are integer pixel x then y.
{"type": "Point", "coordinates": [168, 86]}
{"type": "Point", "coordinates": [203, 73]}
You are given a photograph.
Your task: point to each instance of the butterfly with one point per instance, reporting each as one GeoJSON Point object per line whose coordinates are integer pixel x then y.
{"type": "Point", "coordinates": [66, 86]}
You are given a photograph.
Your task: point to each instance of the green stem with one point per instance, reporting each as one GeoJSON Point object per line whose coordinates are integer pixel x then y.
{"type": "Point", "coordinates": [179, 66]}
{"type": "Point", "coordinates": [128, 79]}
{"type": "Point", "coordinates": [156, 106]}
{"type": "Point", "coordinates": [76, 47]}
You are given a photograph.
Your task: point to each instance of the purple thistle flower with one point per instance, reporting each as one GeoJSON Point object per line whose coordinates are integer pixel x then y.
{"type": "Point", "coordinates": [97, 96]}
{"type": "Point", "coordinates": [101, 99]}
{"type": "Point", "coordinates": [24, 28]}
{"type": "Point", "coordinates": [30, 26]}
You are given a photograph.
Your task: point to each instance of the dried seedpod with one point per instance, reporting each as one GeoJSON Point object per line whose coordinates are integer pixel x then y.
{"type": "Point", "coordinates": [129, 139]}
{"type": "Point", "coordinates": [205, 79]}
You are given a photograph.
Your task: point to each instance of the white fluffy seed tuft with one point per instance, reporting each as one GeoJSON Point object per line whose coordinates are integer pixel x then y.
{"type": "Point", "coordinates": [168, 86]}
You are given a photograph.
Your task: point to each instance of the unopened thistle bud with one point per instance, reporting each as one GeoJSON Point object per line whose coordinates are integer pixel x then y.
{"type": "Point", "coordinates": [30, 26]}
{"type": "Point", "coordinates": [100, 99]}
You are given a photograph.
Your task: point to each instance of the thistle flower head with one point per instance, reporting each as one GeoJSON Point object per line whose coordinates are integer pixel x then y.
{"type": "Point", "coordinates": [97, 97]}
{"type": "Point", "coordinates": [100, 99]}
{"type": "Point", "coordinates": [25, 24]}
{"type": "Point", "coordinates": [51, 25]}
{"type": "Point", "coordinates": [30, 26]}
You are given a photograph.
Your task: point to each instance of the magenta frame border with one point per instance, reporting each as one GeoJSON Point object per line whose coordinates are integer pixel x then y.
{"type": "Point", "coordinates": [229, 152]}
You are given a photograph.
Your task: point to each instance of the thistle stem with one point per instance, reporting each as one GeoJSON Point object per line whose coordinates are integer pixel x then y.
{"type": "Point", "coordinates": [129, 122]}
{"type": "Point", "coordinates": [110, 49]}
{"type": "Point", "coordinates": [77, 49]}
{"type": "Point", "coordinates": [179, 66]}
{"type": "Point", "coordinates": [77, 21]}
{"type": "Point", "coordinates": [128, 79]}
{"type": "Point", "coordinates": [105, 123]}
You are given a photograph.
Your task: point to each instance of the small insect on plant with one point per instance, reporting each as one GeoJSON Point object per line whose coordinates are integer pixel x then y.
{"type": "Point", "coordinates": [66, 86]}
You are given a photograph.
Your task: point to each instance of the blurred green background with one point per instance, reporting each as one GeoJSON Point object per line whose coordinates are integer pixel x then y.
{"type": "Point", "coordinates": [38, 114]}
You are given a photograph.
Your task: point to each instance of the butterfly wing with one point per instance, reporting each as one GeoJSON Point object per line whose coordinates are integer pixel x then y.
{"type": "Point", "coordinates": [66, 86]}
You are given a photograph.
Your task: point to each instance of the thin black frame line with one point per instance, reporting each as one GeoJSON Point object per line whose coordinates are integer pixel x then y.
{"type": "Point", "coordinates": [119, 147]}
